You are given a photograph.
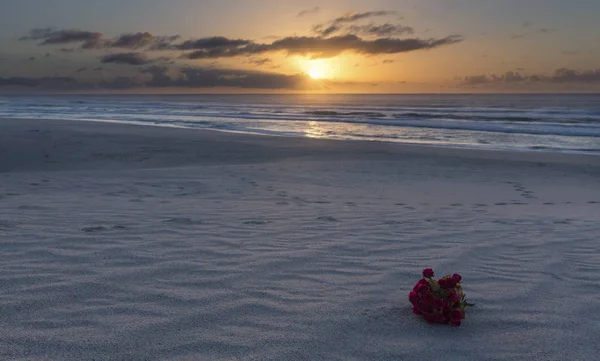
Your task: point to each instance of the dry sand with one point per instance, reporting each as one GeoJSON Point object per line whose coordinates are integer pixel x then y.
{"type": "Point", "coordinates": [124, 242]}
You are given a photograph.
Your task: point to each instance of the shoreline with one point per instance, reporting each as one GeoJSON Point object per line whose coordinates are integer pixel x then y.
{"type": "Point", "coordinates": [295, 146]}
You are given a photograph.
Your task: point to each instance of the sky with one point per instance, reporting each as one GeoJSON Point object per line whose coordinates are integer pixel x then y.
{"type": "Point", "coordinates": [333, 46]}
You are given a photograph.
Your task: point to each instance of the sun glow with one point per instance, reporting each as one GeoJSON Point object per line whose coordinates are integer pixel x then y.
{"type": "Point", "coordinates": [318, 69]}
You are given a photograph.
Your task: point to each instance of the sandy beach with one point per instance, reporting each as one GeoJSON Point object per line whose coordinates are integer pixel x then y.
{"type": "Point", "coordinates": [125, 242]}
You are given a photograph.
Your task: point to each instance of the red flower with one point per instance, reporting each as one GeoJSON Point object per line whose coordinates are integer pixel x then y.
{"type": "Point", "coordinates": [413, 297]}
{"type": "Point", "coordinates": [428, 273]}
{"type": "Point", "coordinates": [452, 297]}
{"type": "Point", "coordinates": [456, 315]}
{"type": "Point", "coordinates": [439, 303]}
{"type": "Point", "coordinates": [423, 288]}
{"type": "Point", "coordinates": [447, 283]}
{"type": "Point", "coordinates": [440, 318]}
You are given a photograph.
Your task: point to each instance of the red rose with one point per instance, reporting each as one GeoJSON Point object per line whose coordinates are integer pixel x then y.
{"type": "Point", "coordinates": [457, 277]}
{"type": "Point", "coordinates": [413, 297]}
{"type": "Point", "coordinates": [456, 315]}
{"type": "Point", "coordinates": [429, 317]}
{"type": "Point", "coordinates": [439, 303]}
{"type": "Point", "coordinates": [440, 318]}
{"type": "Point", "coordinates": [428, 273]}
{"type": "Point", "coordinates": [423, 288]}
{"type": "Point", "coordinates": [416, 311]}
{"type": "Point", "coordinates": [452, 296]}
{"type": "Point", "coordinates": [447, 283]}
{"type": "Point", "coordinates": [455, 323]}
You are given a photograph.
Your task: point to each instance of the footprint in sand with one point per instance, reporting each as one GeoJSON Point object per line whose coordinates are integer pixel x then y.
{"type": "Point", "coordinates": [282, 203]}
{"type": "Point", "coordinates": [256, 222]}
{"type": "Point", "coordinates": [327, 219]}
{"type": "Point", "coordinates": [182, 220]}
{"type": "Point", "coordinates": [400, 204]}
{"type": "Point", "coordinates": [501, 204]}
{"type": "Point", "coordinates": [549, 204]}
{"type": "Point", "coordinates": [481, 205]}
{"type": "Point", "coordinates": [456, 205]}
{"type": "Point", "coordinates": [94, 229]}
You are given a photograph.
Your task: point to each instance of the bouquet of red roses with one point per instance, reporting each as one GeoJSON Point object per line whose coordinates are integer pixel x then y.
{"type": "Point", "coordinates": [441, 301]}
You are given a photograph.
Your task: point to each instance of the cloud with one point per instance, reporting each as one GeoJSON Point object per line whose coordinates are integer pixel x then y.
{"type": "Point", "coordinates": [55, 83]}
{"type": "Point", "coordinates": [320, 47]}
{"type": "Point", "coordinates": [161, 77]}
{"type": "Point", "coordinates": [133, 41]}
{"type": "Point", "coordinates": [219, 77]}
{"type": "Point", "coordinates": [215, 42]}
{"type": "Point", "coordinates": [338, 24]}
{"type": "Point", "coordinates": [562, 75]}
{"type": "Point", "coordinates": [388, 61]}
{"type": "Point", "coordinates": [378, 40]}
{"type": "Point", "coordinates": [259, 62]}
{"type": "Point", "coordinates": [306, 12]}
{"type": "Point", "coordinates": [50, 36]}
{"type": "Point", "coordinates": [353, 17]}
{"type": "Point", "coordinates": [548, 30]}
{"type": "Point", "coordinates": [381, 30]}
{"type": "Point", "coordinates": [126, 58]}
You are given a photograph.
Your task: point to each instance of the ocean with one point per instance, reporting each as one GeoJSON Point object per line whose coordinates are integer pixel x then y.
{"type": "Point", "coordinates": [541, 122]}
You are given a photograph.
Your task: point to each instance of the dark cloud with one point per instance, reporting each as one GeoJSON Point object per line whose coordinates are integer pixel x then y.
{"type": "Point", "coordinates": [381, 30]}
{"type": "Point", "coordinates": [142, 40]}
{"type": "Point", "coordinates": [126, 58]}
{"type": "Point", "coordinates": [517, 36]}
{"type": "Point", "coordinates": [55, 82]}
{"type": "Point", "coordinates": [80, 70]}
{"type": "Point", "coordinates": [563, 75]}
{"type": "Point", "coordinates": [569, 75]}
{"type": "Point", "coordinates": [215, 42]}
{"type": "Point", "coordinates": [133, 41]}
{"type": "Point", "coordinates": [353, 17]}
{"type": "Point", "coordinates": [547, 30]}
{"type": "Point", "coordinates": [570, 52]}
{"type": "Point", "coordinates": [217, 77]}
{"type": "Point", "coordinates": [339, 23]}
{"type": "Point", "coordinates": [50, 36]}
{"type": "Point", "coordinates": [66, 50]}
{"type": "Point", "coordinates": [306, 12]}
{"type": "Point", "coordinates": [259, 62]}
{"type": "Point", "coordinates": [323, 30]}
{"type": "Point", "coordinates": [320, 47]}
{"type": "Point", "coordinates": [526, 24]}
{"type": "Point", "coordinates": [31, 58]}
{"type": "Point", "coordinates": [161, 76]}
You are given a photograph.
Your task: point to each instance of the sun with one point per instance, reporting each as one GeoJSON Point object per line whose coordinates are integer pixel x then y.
{"type": "Point", "coordinates": [316, 73]}
{"type": "Point", "coordinates": [318, 69]}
